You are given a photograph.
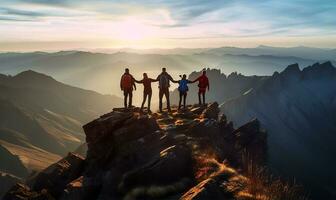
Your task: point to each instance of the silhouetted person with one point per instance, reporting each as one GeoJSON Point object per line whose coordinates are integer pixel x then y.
{"type": "Point", "coordinates": [126, 85]}
{"type": "Point", "coordinates": [164, 85]}
{"type": "Point", "coordinates": [183, 89]}
{"type": "Point", "coordinates": [147, 83]}
{"type": "Point", "coordinates": [203, 84]}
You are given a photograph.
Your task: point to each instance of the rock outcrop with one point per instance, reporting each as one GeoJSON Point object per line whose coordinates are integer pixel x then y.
{"type": "Point", "coordinates": [132, 155]}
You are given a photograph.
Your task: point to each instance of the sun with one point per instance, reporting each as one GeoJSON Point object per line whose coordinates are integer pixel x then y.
{"type": "Point", "coordinates": [133, 30]}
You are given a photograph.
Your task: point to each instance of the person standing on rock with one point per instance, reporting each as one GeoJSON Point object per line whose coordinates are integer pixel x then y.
{"type": "Point", "coordinates": [203, 84]}
{"type": "Point", "coordinates": [183, 89]}
{"type": "Point", "coordinates": [164, 85]}
{"type": "Point", "coordinates": [147, 83]}
{"type": "Point", "coordinates": [127, 83]}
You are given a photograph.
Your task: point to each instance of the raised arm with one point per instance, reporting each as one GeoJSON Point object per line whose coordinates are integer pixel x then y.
{"type": "Point", "coordinates": [197, 79]}
{"type": "Point", "coordinates": [171, 79]}
{"type": "Point", "coordinates": [154, 80]}
{"type": "Point", "coordinates": [138, 81]}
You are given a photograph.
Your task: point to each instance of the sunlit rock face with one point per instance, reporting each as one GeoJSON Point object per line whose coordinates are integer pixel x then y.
{"type": "Point", "coordinates": [135, 155]}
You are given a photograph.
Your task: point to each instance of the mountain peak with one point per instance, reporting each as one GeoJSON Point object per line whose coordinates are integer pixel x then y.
{"type": "Point", "coordinates": [33, 76]}
{"type": "Point", "coordinates": [292, 69]}
{"type": "Point", "coordinates": [318, 70]}
{"type": "Point", "coordinates": [129, 150]}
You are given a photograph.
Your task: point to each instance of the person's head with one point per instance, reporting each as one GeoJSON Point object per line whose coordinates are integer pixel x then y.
{"type": "Point", "coordinates": [164, 69]}
{"type": "Point", "coordinates": [127, 71]}
{"type": "Point", "coordinates": [204, 72]}
{"type": "Point", "coordinates": [145, 75]}
{"type": "Point", "coordinates": [184, 77]}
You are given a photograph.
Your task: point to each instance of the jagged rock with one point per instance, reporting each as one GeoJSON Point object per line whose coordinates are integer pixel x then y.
{"type": "Point", "coordinates": [211, 111]}
{"type": "Point", "coordinates": [173, 164]}
{"type": "Point", "coordinates": [22, 192]}
{"type": "Point", "coordinates": [80, 188]}
{"type": "Point", "coordinates": [7, 181]}
{"type": "Point", "coordinates": [132, 155]}
{"type": "Point", "coordinates": [198, 109]}
{"type": "Point", "coordinates": [110, 132]}
{"type": "Point", "coordinates": [55, 178]}
{"type": "Point", "coordinates": [224, 185]}
{"type": "Point", "coordinates": [251, 142]}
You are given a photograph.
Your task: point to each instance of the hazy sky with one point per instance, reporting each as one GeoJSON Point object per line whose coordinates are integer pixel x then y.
{"type": "Point", "coordinates": [69, 24]}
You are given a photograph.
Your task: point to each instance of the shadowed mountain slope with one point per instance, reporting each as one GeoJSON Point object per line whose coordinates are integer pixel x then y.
{"type": "Point", "coordinates": [41, 120]}
{"type": "Point", "coordinates": [298, 108]}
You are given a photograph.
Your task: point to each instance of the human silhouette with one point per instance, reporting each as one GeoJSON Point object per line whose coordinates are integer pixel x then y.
{"type": "Point", "coordinates": [203, 84]}
{"type": "Point", "coordinates": [164, 85]}
{"type": "Point", "coordinates": [126, 84]}
{"type": "Point", "coordinates": [183, 89]}
{"type": "Point", "coordinates": [147, 83]}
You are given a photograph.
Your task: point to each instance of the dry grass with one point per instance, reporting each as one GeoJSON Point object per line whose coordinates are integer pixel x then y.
{"type": "Point", "coordinates": [264, 186]}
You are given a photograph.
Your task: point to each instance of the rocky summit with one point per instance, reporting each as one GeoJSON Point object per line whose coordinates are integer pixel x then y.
{"type": "Point", "coordinates": [190, 154]}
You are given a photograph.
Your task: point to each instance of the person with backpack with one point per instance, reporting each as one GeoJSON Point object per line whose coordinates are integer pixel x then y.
{"type": "Point", "coordinates": [183, 89]}
{"type": "Point", "coordinates": [147, 83]}
{"type": "Point", "coordinates": [126, 85]}
{"type": "Point", "coordinates": [164, 85]}
{"type": "Point", "coordinates": [203, 84]}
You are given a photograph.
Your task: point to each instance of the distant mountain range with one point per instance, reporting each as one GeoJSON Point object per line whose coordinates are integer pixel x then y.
{"type": "Point", "coordinates": [41, 120]}
{"type": "Point", "coordinates": [298, 109]}
{"type": "Point", "coordinates": [100, 71]}
{"type": "Point", "coordinates": [298, 51]}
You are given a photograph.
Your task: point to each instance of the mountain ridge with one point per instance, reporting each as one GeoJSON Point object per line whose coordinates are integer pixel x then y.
{"type": "Point", "coordinates": [297, 107]}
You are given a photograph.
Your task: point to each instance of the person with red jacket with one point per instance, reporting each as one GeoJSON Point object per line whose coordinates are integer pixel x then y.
{"type": "Point", "coordinates": [126, 85]}
{"type": "Point", "coordinates": [203, 84]}
{"type": "Point", "coordinates": [147, 83]}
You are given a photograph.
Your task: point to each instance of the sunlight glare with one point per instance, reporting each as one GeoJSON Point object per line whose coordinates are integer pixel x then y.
{"type": "Point", "coordinates": [132, 29]}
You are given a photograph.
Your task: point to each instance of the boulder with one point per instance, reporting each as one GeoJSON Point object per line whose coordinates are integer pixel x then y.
{"type": "Point", "coordinates": [170, 166]}
{"type": "Point", "coordinates": [211, 111]}
{"type": "Point", "coordinates": [55, 178]}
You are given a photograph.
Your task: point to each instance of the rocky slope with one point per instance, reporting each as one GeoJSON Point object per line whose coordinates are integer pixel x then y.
{"type": "Point", "coordinates": [298, 108]}
{"type": "Point", "coordinates": [193, 154]}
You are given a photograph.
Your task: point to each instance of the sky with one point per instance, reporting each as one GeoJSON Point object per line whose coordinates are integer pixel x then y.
{"type": "Point", "coordinates": [27, 25]}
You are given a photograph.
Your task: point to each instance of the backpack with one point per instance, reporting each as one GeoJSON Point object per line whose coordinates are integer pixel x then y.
{"type": "Point", "coordinates": [126, 81]}
{"type": "Point", "coordinates": [163, 81]}
{"type": "Point", "coordinates": [183, 87]}
{"type": "Point", "coordinates": [203, 82]}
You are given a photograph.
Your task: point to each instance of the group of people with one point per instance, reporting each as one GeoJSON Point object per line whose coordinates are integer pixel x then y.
{"type": "Point", "coordinates": [127, 85]}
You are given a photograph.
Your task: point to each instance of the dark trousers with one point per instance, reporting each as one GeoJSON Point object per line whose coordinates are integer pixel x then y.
{"type": "Point", "coordinates": [128, 94]}
{"type": "Point", "coordinates": [184, 96]}
{"type": "Point", "coordinates": [199, 97]}
{"type": "Point", "coordinates": [145, 94]}
{"type": "Point", "coordinates": [164, 92]}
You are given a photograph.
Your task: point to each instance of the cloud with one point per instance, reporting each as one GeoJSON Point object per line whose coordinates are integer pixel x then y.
{"type": "Point", "coordinates": [10, 11]}
{"type": "Point", "coordinates": [14, 19]}
{"type": "Point", "coordinates": [197, 19]}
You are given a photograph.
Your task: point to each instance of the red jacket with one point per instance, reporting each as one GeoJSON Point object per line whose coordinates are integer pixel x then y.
{"type": "Point", "coordinates": [203, 82]}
